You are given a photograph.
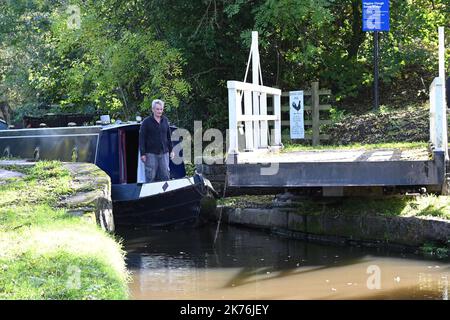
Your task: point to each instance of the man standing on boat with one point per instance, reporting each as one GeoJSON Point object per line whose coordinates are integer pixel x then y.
{"type": "Point", "coordinates": [155, 144]}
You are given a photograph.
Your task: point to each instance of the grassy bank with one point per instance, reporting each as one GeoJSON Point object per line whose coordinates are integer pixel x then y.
{"type": "Point", "coordinates": [402, 206]}
{"type": "Point", "coordinates": [358, 146]}
{"type": "Point", "coordinates": [406, 206]}
{"type": "Point", "coordinates": [47, 254]}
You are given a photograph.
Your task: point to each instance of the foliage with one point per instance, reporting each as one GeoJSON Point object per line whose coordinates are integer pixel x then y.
{"type": "Point", "coordinates": [102, 65]}
{"type": "Point", "coordinates": [190, 169]}
{"type": "Point", "coordinates": [126, 53]}
{"type": "Point", "coordinates": [248, 201]}
{"type": "Point", "coordinates": [436, 249]}
{"type": "Point", "coordinates": [410, 124]}
{"type": "Point", "coordinates": [426, 205]}
{"type": "Point", "coordinates": [336, 115]}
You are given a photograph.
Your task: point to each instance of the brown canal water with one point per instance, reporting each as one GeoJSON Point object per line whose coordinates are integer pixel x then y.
{"type": "Point", "coordinates": [240, 263]}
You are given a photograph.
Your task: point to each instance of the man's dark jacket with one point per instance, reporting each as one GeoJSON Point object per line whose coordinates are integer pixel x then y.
{"type": "Point", "coordinates": [155, 137]}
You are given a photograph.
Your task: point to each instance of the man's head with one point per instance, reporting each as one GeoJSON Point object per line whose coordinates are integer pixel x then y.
{"type": "Point", "coordinates": [157, 107]}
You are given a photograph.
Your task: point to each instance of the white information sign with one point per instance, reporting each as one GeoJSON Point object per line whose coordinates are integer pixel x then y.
{"type": "Point", "coordinates": [296, 111]}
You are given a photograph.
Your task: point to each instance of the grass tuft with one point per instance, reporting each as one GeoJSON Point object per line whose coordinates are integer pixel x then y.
{"type": "Point", "coordinates": [289, 147]}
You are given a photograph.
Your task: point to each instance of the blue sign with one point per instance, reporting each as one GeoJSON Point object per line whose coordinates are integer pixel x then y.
{"type": "Point", "coordinates": [375, 15]}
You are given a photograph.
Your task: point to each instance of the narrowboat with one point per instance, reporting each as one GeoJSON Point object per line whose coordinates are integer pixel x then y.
{"type": "Point", "coordinates": [114, 148]}
{"type": "Point", "coordinates": [3, 125]}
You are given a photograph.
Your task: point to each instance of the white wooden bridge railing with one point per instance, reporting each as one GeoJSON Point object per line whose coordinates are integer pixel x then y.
{"type": "Point", "coordinates": [247, 103]}
{"type": "Point", "coordinates": [438, 116]}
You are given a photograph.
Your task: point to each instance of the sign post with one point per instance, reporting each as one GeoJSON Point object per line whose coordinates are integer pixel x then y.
{"type": "Point", "coordinates": [296, 111]}
{"type": "Point", "coordinates": [375, 15]}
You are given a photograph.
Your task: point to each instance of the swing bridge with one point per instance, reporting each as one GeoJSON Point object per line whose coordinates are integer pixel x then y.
{"type": "Point", "coordinates": [259, 160]}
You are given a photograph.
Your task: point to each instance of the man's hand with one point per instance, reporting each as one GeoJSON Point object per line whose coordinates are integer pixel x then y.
{"type": "Point", "coordinates": [144, 158]}
{"type": "Point", "coordinates": [172, 155]}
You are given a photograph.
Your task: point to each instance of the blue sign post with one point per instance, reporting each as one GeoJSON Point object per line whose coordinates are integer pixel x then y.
{"type": "Point", "coordinates": [375, 14]}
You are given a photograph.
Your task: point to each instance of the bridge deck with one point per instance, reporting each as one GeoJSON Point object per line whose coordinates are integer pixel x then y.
{"type": "Point", "coordinates": [335, 156]}
{"type": "Point", "coordinates": [337, 168]}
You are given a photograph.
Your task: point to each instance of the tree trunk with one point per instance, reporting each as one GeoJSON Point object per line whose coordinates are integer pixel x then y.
{"type": "Point", "coordinates": [5, 111]}
{"type": "Point", "coordinates": [357, 37]}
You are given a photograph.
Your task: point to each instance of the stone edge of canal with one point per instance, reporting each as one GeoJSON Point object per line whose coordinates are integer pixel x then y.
{"type": "Point", "coordinates": [412, 234]}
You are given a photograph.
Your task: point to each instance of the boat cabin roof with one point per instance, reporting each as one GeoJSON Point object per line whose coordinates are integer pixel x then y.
{"type": "Point", "coordinates": [77, 129]}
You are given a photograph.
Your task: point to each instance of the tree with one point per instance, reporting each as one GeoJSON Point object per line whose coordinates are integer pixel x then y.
{"type": "Point", "coordinates": [100, 66]}
{"type": "Point", "coordinates": [128, 52]}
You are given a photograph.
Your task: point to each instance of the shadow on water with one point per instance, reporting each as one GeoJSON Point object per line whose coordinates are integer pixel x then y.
{"type": "Point", "coordinates": [259, 257]}
{"type": "Point", "coordinates": [234, 247]}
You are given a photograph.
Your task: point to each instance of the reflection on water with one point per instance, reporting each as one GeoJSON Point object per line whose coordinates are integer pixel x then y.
{"type": "Point", "coordinates": [249, 264]}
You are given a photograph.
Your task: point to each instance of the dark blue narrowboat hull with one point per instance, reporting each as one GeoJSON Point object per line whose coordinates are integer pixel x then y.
{"type": "Point", "coordinates": [114, 149]}
{"type": "Point", "coordinates": [3, 125]}
{"type": "Point", "coordinates": [182, 206]}
{"type": "Point", "coordinates": [164, 203]}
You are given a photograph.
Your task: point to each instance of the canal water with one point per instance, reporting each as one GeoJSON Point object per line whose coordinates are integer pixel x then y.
{"type": "Point", "coordinates": [239, 263]}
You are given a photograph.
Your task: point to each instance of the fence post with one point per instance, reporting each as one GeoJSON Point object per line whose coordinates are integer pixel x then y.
{"type": "Point", "coordinates": [315, 113]}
